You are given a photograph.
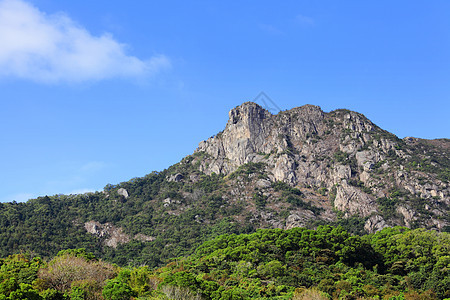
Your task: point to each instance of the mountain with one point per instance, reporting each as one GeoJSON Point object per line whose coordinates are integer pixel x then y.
{"type": "Point", "coordinates": [299, 168]}
{"type": "Point", "coordinates": [339, 161]}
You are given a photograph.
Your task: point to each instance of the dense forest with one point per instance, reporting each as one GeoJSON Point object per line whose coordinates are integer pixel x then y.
{"type": "Point", "coordinates": [198, 212]}
{"type": "Point", "coordinates": [300, 263]}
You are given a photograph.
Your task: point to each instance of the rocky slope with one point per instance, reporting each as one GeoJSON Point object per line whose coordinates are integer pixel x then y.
{"type": "Point", "coordinates": [301, 167]}
{"type": "Point", "coordinates": [360, 169]}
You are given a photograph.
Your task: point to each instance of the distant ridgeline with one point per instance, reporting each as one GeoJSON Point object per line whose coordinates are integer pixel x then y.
{"type": "Point", "coordinates": [299, 168]}
{"type": "Point", "coordinates": [394, 263]}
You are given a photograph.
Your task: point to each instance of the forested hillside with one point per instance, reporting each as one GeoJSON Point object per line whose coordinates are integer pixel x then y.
{"type": "Point", "coordinates": [49, 224]}
{"type": "Point", "coordinates": [300, 168]}
{"type": "Point", "coordinates": [395, 263]}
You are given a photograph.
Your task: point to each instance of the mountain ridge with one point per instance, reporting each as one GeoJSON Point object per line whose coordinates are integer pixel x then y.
{"type": "Point", "coordinates": [299, 168]}
{"type": "Point", "coordinates": [309, 145]}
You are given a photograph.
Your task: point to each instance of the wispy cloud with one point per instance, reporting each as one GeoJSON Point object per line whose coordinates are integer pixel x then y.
{"type": "Point", "coordinates": [304, 20]}
{"type": "Point", "coordinates": [53, 48]}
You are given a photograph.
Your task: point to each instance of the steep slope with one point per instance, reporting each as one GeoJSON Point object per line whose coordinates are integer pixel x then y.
{"type": "Point", "coordinates": [363, 169]}
{"type": "Point", "coordinates": [301, 167]}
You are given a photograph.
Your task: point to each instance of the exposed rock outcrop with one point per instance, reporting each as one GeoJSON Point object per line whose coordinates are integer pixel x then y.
{"type": "Point", "coordinates": [177, 177]}
{"type": "Point", "coordinates": [341, 151]}
{"type": "Point", "coordinates": [123, 192]}
{"type": "Point", "coordinates": [111, 235]}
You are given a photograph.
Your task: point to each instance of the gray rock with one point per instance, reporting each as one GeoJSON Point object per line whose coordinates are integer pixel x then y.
{"type": "Point", "coordinates": [177, 177]}
{"type": "Point", "coordinates": [299, 219]}
{"type": "Point", "coordinates": [122, 192]}
{"type": "Point", "coordinates": [111, 235]}
{"type": "Point", "coordinates": [375, 223]}
{"type": "Point", "coordinates": [408, 214]}
{"type": "Point", "coordinates": [167, 202]}
{"type": "Point", "coordinates": [194, 177]}
{"type": "Point", "coordinates": [299, 147]}
{"type": "Point", "coordinates": [353, 201]}
{"type": "Point", "coordinates": [263, 183]}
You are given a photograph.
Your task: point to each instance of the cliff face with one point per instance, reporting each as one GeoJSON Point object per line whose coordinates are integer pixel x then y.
{"type": "Point", "coordinates": [361, 169]}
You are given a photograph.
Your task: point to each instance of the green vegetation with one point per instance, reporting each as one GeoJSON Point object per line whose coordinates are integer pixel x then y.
{"type": "Point", "coordinates": [360, 184]}
{"type": "Point", "coordinates": [398, 197]}
{"type": "Point", "coordinates": [260, 199]}
{"type": "Point", "coordinates": [430, 159]}
{"type": "Point", "coordinates": [248, 169]}
{"type": "Point", "coordinates": [341, 157]}
{"type": "Point", "coordinates": [294, 197]}
{"type": "Point", "coordinates": [285, 188]}
{"type": "Point", "coordinates": [49, 224]}
{"type": "Point", "coordinates": [327, 263]}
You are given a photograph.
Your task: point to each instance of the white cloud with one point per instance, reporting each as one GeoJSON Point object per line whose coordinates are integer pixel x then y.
{"type": "Point", "coordinates": [53, 48]}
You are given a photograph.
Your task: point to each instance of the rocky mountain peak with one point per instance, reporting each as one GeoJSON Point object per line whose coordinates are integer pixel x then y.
{"type": "Point", "coordinates": [340, 154]}
{"type": "Point", "coordinates": [248, 113]}
{"type": "Point", "coordinates": [251, 130]}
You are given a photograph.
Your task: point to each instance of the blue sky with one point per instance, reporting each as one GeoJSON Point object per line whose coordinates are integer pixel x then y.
{"type": "Point", "coordinates": [97, 92]}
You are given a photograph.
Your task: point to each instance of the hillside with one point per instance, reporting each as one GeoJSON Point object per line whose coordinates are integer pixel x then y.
{"type": "Point", "coordinates": [301, 167]}
{"type": "Point", "coordinates": [326, 263]}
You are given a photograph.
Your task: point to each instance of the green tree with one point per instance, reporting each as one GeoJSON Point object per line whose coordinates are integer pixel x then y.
{"type": "Point", "coordinates": [115, 289]}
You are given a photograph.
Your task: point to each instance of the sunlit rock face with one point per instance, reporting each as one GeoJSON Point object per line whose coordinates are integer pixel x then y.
{"type": "Point", "coordinates": [340, 153]}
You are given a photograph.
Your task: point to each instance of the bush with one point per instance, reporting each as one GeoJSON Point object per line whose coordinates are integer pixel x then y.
{"type": "Point", "coordinates": [62, 271]}
{"type": "Point", "coordinates": [116, 289]}
{"type": "Point", "coordinates": [310, 294]}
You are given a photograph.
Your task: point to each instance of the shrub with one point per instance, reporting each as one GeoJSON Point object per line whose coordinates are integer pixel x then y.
{"type": "Point", "coordinates": [62, 271]}
{"type": "Point", "coordinates": [310, 294]}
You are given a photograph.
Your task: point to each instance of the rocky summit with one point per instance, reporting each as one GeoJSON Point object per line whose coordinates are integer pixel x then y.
{"type": "Point", "coordinates": [299, 168]}
{"type": "Point", "coordinates": [340, 161]}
